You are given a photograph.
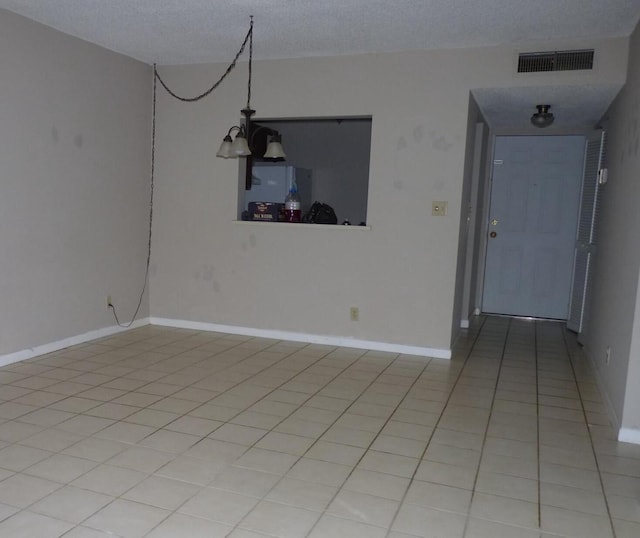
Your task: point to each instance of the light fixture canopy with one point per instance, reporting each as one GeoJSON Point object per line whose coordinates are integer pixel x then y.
{"type": "Point", "coordinates": [542, 118]}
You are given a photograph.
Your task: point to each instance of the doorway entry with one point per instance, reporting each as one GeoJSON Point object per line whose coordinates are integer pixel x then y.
{"type": "Point", "coordinates": [533, 214]}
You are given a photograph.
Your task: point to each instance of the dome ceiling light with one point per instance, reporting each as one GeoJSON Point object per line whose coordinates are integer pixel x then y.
{"type": "Point", "coordinates": [542, 118]}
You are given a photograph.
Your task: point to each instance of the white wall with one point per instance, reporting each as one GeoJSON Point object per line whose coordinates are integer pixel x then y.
{"type": "Point", "coordinates": [615, 310]}
{"type": "Point", "coordinates": [402, 272]}
{"type": "Point", "coordinates": [74, 183]}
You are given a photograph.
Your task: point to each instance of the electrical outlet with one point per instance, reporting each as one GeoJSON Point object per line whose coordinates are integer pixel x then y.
{"type": "Point", "coordinates": [607, 357]}
{"type": "Point", "coordinates": [109, 303]}
{"type": "Point", "coordinates": [439, 209]}
{"type": "Point", "coordinates": [354, 313]}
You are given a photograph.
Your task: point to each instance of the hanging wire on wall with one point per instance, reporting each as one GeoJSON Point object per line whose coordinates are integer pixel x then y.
{"type": "Point", "coordinates": [157, 78]}
{"type": "Point", "coordinates": [232, 65]}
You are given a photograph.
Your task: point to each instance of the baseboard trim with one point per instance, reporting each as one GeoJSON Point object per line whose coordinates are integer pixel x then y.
{"type": "Point", "coordinates": [30, 353]}
{"type": "Point", "coordinates": [629, 435]}
{"type": "Point", "coordinates": [338, 341]}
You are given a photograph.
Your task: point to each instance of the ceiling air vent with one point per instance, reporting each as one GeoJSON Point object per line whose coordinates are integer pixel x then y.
{"type": "Point", "coordinates": [566, 60]}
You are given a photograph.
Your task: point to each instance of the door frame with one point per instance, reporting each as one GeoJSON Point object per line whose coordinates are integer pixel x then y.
{"type": "Point", "coordinates": [481, 142]}
{"type": "Point", "coordinates": [484, 224]}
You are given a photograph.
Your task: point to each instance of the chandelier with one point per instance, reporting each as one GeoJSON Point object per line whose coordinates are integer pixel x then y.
{"type": "Point", "coordinates": [245, 132]}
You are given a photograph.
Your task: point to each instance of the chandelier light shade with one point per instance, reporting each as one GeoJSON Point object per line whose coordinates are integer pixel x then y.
{"type": "Point", "coordinates": [542, 118]}
{"type": "Point", "coordinates": [240, 147]}
{"type": "Point", "coordinates": [225, 150]}
{"type": "Point", "coordinates": [274, 149]}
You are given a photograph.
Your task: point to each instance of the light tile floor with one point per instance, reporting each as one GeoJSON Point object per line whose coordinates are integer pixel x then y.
{"type": "Point", "coordinates": [162, 433]}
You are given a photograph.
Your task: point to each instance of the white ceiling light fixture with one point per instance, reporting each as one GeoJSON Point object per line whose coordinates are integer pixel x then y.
{"type": "Point", "coordinates": [542, 118]}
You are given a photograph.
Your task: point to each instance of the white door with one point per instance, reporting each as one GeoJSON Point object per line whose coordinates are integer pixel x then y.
{"type": "Point", "coordinates": [532, 225]}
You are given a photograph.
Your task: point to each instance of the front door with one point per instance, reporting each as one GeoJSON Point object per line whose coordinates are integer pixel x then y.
{"type": "Point", "coordinates": [532, 225]}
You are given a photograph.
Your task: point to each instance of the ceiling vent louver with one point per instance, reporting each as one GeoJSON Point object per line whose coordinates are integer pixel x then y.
{"type": "Point", "coordinates": [568, 60]}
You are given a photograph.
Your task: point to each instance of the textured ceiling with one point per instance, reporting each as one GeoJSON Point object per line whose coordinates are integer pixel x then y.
{"type": "Point", "coordinates": [197, 31]}
{"type": "Point", "coordinates": [575, 107]}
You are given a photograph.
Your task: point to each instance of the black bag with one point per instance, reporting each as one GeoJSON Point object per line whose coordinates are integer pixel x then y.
{"type": "Point", "coordinates": [321, 214]}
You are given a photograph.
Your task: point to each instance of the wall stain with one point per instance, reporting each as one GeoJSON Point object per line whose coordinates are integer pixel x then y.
{"type": "Point", "coordinates": [402, 144]}
{"type": "Point", "coordinates": [418, 134]}
{"type": "Point", "coordinates": [441, 144]}
{"type": "Point", "coordinates": [398, 184]}
{"type": "Point", "coordinates": [252, 240]}
{"type": "Point", "coordinates": [207, 274]}
{"type": "Point", "coordinates": [216, 286]}
{"type": "Point", "coordinates": [78, 141]}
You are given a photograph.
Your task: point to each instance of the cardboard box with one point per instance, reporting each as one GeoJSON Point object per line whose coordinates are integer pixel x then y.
{"type": "Point", "coordinates": [265, 211]}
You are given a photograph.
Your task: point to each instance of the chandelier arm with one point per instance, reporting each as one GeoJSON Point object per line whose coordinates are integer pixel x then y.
{"type": "Point", "coordinates": [230, 68]}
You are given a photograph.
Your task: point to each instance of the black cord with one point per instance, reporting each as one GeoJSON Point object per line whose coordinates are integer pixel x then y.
{"type": "Point", "coordinates": [224, 75]}
{"type": "Point", "coordinates": [153, 166]}
{"type": "Point", "coordinates": [250, 36]}
{"type": "Point", "coordinates": [157, 77]}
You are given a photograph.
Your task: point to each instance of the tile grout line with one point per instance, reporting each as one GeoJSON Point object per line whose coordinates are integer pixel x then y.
{"type": "Point", "coordinates": [366, 449]}
{"type": "Point", "coordinates": [486, 431]}
{"type": "Point", "coordinates": [133, 445]}
{"type": "Point", "coordinates": [444, 407]}
{"type": "Point", "coordinates": [175, 510]}
{"type": "Point", "coordinates": [586, 420]}
{"type": "Point", "coordinates": [373, 381]}
{"type": "Point", "coordinates": [278, 387]}
{"type": "Point", "coordinates": [342, 371]}
{"type": "Point", "coordinates": [311, 396]}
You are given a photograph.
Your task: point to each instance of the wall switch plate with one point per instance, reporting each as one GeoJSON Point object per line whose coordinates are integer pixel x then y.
{"type": "Point", "coordinates": [439, 209]}
{"type": "Point", "coordinates": [354, 312]}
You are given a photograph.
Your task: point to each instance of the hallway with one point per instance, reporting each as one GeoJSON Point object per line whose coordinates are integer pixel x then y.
{"type": "Point", "coordinates": [161, 432]}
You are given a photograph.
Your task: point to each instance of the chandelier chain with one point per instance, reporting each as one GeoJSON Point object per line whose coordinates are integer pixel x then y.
{"type": "Point", "coordinates": [232, 65]}
{"type": "Point", "coordinates": [157, 78]}
{"type": "Point", "coordinates": [250, 35]}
